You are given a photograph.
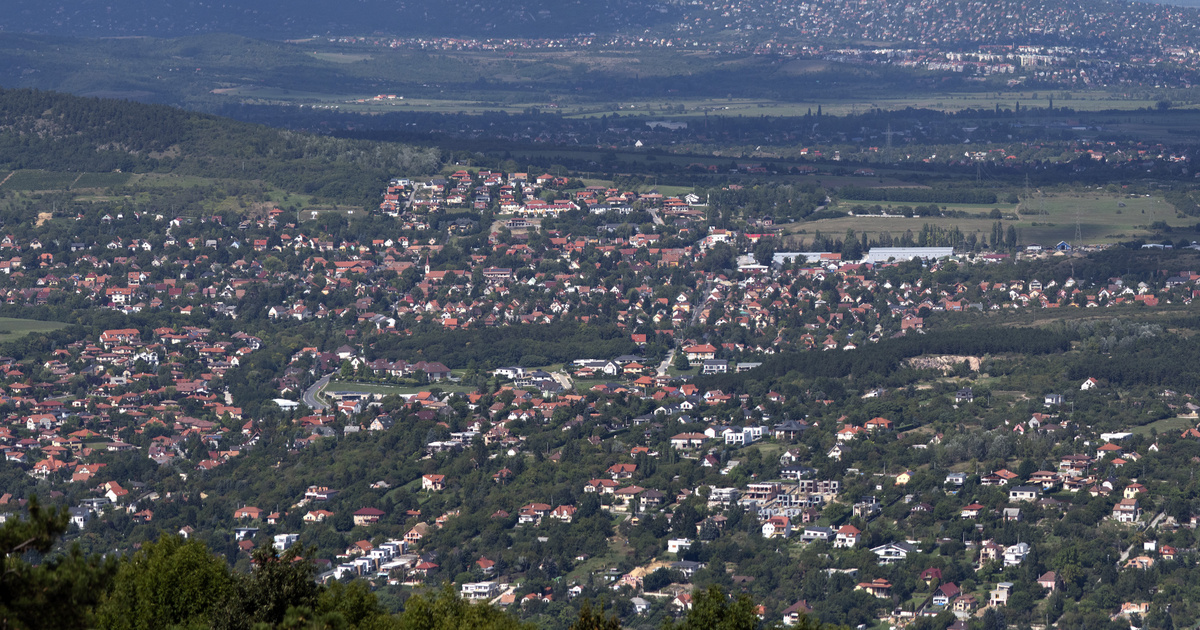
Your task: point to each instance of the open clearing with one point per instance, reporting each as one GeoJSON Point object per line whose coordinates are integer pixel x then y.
{"type": "Point", "coordinates": [341, 57]}
{"type": "Point", "coordinates": [143, 187]}
{"type": "Point", "coordinates": [1166, 425]}
{"type": "Point", "coordinates": [14, 328]}
{"type": "Point", "coordinates": [30, 180]}
{"type": "Point", "coordinates": [1102, 218]}
{"type": "Point", "coordinates": [375, 388]}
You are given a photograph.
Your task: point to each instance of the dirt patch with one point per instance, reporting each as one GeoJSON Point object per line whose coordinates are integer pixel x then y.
{"type": "Point", "coordinates": [43, 217]}
{"type": "Point", "coordinates": [944, 362]}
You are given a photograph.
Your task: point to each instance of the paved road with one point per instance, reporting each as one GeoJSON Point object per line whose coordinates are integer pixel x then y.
{"type": "Point", "coordinates": [654, 217]}
{"type": "Point", "coordinates": [563, 379]}
{"type": "Point", "coordinates": [310, 394]}
{"type": "Point", "coordinates": [1151, 525]}
{"type": "Point", "coordinates": [701, 301]}
{"type": "Point", "coordinates": [1125, 555]}
{"type": "Point", "coordinates": [662, 367]}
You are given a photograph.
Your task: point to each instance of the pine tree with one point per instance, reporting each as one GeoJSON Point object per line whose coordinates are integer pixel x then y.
{"type": "Point", "coordinates": [62, 590]}
{"type": "Point", "coordinates": [590, 619]}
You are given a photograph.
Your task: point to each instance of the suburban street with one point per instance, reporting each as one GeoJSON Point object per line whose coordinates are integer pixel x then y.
{"type": "Point", "coordinates": [310, 394]}
{"type": "Point", "coordinates": [662, 367]}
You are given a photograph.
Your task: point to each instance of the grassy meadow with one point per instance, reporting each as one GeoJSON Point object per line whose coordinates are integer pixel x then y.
{"type": "Point", "coordinates": [1102, 218]}
{"type": "Point", "coordinates": [13, 328]}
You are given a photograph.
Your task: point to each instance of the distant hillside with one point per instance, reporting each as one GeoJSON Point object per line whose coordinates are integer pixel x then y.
{"type": "Point", "coordinates": [303, 18]}
{"type": "Point", "coordinates": [46, 130]}
{"type": "Point", "coordinates": [1108, 23]}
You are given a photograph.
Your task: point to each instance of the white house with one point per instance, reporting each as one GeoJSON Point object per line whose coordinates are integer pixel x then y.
{"type": "Point", "coordinates": [814, 533]}
{"type": "Point", "coordinates": [1023, 493]}
{"type": "Point", "coordinates": [847, 536]}
{"type": "Point", "coordinates": [891, 553]}
{"type": "Point", "coordinates": [480, 590]}
{"type": "Point", "coordinates": [999, 597]}
{"type": "Point", "coordinates": [688, 440]}
{"type": "Point", "coordinates": [1016, 554]}
{"type": "Point", "coordinates": [777, 526]}
{"type": "Point", "coordinates": [675, 545]}
{"type": "Point", "coordinates": [284, 541]}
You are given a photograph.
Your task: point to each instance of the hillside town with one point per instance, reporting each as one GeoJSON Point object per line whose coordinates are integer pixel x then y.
{"type": "Point", "coordinates": [666, 449]}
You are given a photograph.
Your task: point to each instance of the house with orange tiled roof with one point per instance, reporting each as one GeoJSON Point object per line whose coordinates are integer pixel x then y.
{"type": "Point", "coordinates": [878, 424]}
{"type": "Point", "coordinates": [847, 536]}
{"type": "Point", "coordinates": [248, 512]}
{"type": "Point", "coordinates": [878, 587]}
{"type": "Point", "coordinates": [317, 516]}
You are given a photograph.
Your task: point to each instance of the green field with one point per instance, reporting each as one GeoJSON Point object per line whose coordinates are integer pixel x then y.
{"type": "Point", "coordinates": [311, 213]}
{"type": "Point", "coordinates": [1166, 425]}
{"type": "Point", "coordinates": [341, 57]}
{"type": "Point", "coordinates": [13, 328]}
{"type": "Point", "coordinates": [101, 180]}
{"type": "Point", "coordinates": [373, 388]}
{"type": "Point", "coordinates": [169, 180]}
{"type": "Point", "coordinates": [504, 98]}
{"type": "Point", "coordinates": [39, 180]}
{"type": "Point", "coordinates": [1101, 219]}
{"type": "Point", "coordinates": [146, 188]}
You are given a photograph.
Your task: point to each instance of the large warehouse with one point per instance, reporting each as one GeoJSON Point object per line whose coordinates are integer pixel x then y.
{"type": "Point", "coordinates": [884, 254]}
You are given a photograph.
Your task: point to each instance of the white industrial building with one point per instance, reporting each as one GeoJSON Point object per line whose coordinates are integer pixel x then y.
{"type": "Point", "coordinates": [884, 254]}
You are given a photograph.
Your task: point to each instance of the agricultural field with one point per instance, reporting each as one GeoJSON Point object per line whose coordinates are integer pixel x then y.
{"type": "Point", "coordinates": [13, 328]}
{"type": "Point", "coordinates": [154, 189]}
{"type": "Point", "coordinates": [337, 57]}
{"type": "Point", "coordinates": [31, 180]}
{"type": "Point", "coordinates": [101, 180]}
{"type": "Point", "coordinates": [1102, 218]}
{"type": "Point", "coordinates": [673, 107]}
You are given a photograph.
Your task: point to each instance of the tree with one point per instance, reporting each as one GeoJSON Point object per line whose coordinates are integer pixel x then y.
{"type": "Point", "coordinates": [590, 619]}
{"type": "Point", "coordinates": [352, 604]}
{"type": "Point", "coordinates": [681, 362]}
{"type": "Point", "coordinates": [278, 583]}
{"type": "Point", "coordinates": [62, 590]}
{"type": "Point", "coordinates": [447, 611]}
{"type": "Point", "coordinates": [658, 579]}
{"type": "Point", "coordinates": [168, 582]}
{"type": "Point", "coordinates": [712, 609]}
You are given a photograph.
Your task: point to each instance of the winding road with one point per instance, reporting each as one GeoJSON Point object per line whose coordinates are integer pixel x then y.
{"type": "Point", "coordinates": [310, 394]}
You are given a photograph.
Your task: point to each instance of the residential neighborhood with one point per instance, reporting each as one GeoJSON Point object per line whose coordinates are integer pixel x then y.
{"type": "Point", "coordinates": [610, 400]}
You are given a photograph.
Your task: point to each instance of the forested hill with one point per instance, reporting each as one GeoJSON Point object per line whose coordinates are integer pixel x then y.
{"type": "Point", "coordinates": [59, 132]}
